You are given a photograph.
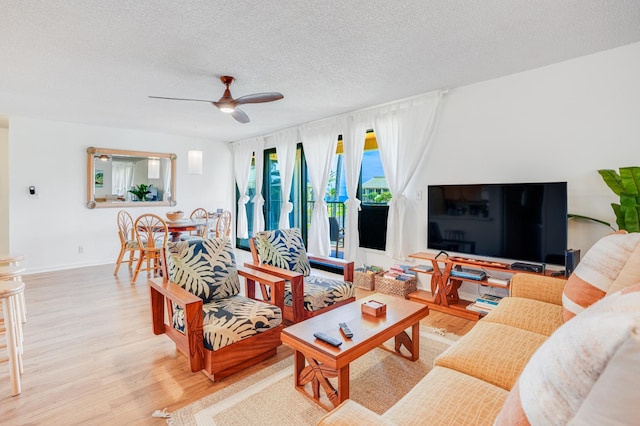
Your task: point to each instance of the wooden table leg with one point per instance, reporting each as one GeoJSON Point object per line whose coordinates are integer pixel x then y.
{"type": "Point", "coordinates": [415, 341]}
{"type": "Point", "coordinates": [310, 372]}
{"type": "Point", "coordinates": [412, 344]}
{"type": "Point", "coordinates": [343, 385]}
{"type": "Point", "coordinates": [298, 366]}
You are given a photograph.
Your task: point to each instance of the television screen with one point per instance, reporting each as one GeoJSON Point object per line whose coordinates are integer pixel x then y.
{"type": "Point", "coordinates": [518, 221]}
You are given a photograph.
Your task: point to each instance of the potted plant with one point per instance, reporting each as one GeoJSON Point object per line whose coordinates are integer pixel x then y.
{"type": "Point", "coordinates": [626, 185]}
{"type": "Point", "coordinates": [141, 191]}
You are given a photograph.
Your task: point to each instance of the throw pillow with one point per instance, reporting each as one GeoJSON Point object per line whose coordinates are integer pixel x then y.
{"type": "Point", "coordinates": [606, 265]}
{"type": "Point", "coordinates": [206, 267]}
{"type": "Point", "coordinates": [557, 382]}
{"type": "Point", "coordinates": [283, 248]}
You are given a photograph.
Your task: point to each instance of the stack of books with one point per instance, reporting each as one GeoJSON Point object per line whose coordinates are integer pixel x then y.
{"type": "Point", "coordinates": [369, 269]}
{"type": "Point", "coordinates": [400, 272]}
{"type": "Point", "coordinates": [484, 304]}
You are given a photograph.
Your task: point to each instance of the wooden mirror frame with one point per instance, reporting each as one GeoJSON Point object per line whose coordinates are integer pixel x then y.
{"type": "Point", "coordinates": [92, 153]}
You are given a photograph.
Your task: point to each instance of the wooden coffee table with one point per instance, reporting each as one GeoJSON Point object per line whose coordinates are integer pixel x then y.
{"type": "Point", "coordinates": [316, 361]}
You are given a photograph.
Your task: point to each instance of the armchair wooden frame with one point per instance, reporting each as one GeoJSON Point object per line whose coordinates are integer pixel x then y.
{"type": "Point", "coordinates": [296, 312]}
{"type": "Point", "coordinates": [231, 358]}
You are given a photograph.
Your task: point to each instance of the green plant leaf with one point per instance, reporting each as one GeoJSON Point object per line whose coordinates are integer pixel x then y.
{"type": "Point", "coordinates": [613, 180]}
{"type": "Point", "coordinates": [619, 216]}
{"type": "Point", "coordinates": [581, 217]}
{"type": "Point", "coordinates": [631, 220]}
{"type": "Point", "coordinates": [627, 201]}
{"type": "Point", "coordinates": [630, 180]}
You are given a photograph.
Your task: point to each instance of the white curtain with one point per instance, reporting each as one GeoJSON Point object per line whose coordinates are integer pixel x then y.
{"type": "Point", "coordinates": [353, 144]}
{"type": "Point", "coordinates": [242, 153]}
{"type": "Point", "coordinates": [285, 143]}
{"type": "Point", "coordinates": [319, 141]}
{"type": "Point", "coordinates": [121, 177]}
{"type": "Point", "coordinates": [258, 199]}
{"type": "Point", "coordinates": [166, 179]}
{"type": "Point", "coordinates": [403, 131]}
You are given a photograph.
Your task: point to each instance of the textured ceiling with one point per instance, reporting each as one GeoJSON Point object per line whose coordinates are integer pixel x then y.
{"type": "Point", "coordinates": [97, 61]}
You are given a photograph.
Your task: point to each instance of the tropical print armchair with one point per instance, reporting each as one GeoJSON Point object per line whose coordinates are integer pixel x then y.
{"type": "Point", "coordinates": [227, 324]}
{"type": "Point", "coordinates": [305, 294]}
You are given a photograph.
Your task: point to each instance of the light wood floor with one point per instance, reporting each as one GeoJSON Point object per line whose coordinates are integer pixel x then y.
{"type": "Point", "coordinates": [91, 358]}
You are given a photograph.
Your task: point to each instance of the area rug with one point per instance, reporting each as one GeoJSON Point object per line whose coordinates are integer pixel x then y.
{"type": "Point", "coordinates": [378, 380]}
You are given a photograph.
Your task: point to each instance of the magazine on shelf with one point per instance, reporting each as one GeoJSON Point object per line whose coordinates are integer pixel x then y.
{"type": "Point", "coordinates": [475, 308]}
{"type": "Point", "coordinates": [423, 268]}
{"type": "Point", "coordinates": [489, 299]}
{"type": "Point", "coordinates": [485, 306]}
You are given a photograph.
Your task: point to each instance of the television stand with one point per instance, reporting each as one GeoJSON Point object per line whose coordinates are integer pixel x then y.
{"type": "Point", "coordinates": [444, 286]}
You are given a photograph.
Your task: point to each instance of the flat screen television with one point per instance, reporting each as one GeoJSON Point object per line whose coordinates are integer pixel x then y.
{"type": "Point", "coordinates": [516, 221]}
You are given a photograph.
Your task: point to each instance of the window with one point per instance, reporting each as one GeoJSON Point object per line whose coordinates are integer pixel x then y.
{"type": "Point", "coordinates": [373, 192]}
{"type": "Point", "coordinates": [272, 191]}
{"type": "Point", "coordinates": [251, 192]}
{"type": "Point", "coordinates": [375, 195]}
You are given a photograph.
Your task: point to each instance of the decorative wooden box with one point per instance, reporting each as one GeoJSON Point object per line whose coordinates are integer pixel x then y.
{"type": "Point", "coordinates": [396, 287]}
{"type": "Point", "coordinates": [364, 279]}
{"type": "Point", "coordinates": [374, 308]}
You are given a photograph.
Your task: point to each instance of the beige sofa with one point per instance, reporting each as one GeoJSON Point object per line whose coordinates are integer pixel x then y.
{"type": "Point", "coordinates": [472, 381]}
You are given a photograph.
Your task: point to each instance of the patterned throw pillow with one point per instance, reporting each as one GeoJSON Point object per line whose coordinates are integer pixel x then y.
{"type": "Point", "coordinates": [560, 382]}
{"type": "Point", "coordinates": [283, 248]}
{"type": "Point", "coordinates": [206, 267]}
{"type": "Point", "coordinates": [611, 264]}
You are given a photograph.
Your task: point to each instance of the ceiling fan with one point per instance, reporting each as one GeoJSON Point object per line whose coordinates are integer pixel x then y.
{"type": "Point", "coordinates": [229, 105]}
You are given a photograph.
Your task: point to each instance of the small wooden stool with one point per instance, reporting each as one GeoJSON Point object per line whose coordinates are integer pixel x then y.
{"type": "Point", "coordinates": [10, 292]}
{"type": "Point", "coordinates": [10, 268]}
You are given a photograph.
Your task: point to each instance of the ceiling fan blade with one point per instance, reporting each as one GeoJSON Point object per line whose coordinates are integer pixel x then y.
{"type": "Point", "coordinates": [257, 98]}
{"type": "Point", "coordinates": [180, 99]}
{"type": "Point", "coordinates": [240, 116]}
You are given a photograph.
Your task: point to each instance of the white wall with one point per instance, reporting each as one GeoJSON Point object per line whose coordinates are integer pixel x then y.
{"type": "Point", "coordinates": [558, 123]}
{"type": "Point", "coordinates": [52, 156]}
{"type": "Point", "coordinates": [4, 190]}
{"type": "Point", "coordinates": [561, 122]}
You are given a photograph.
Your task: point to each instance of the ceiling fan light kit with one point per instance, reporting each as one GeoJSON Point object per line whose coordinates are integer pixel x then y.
{"type": "Point", "coordinates": [229, 105]}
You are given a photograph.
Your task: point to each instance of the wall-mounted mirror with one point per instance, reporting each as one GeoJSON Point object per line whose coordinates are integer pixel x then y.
{"type": "Point", "coordinates": [119, 178]}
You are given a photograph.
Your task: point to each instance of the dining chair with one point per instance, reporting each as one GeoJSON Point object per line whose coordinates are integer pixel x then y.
{"type": "Point", "coordinates": [198, 213]}
{"type": "Point", "coordinates": [128, 242]}
{"type": "Point", "coordinates": [152, 235]}
{"type": "Point", "coordinates": [223, 225]}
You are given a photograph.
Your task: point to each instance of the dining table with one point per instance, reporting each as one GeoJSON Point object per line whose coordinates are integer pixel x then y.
{"type": "Point", "coordinates": [177, 227]}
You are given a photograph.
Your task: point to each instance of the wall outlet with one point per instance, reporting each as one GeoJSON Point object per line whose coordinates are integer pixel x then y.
{"type": "Point", "coordinates": [32, 193]}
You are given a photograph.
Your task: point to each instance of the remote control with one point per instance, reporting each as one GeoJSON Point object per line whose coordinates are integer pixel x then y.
{"type": "Point", "coordinates": [328, 339]}
{"type": "Point", "coordinates": [346, 330]}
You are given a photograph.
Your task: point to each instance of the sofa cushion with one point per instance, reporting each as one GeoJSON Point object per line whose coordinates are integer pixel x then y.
{"type": "Point", "coordinates": [606, 265]}
{"type": "Point", "coordinates": [283, 248]}
{"type": "Point", "coordinates": [440, 399]}
{"type": "Point", "coordinates": [604, 339]}
{"type": "Point", "coordinates": [205, 267]}
{"type": "Point", "coordinates": [537, 287]}
{"type": "Point", "coordinates": [232, 319]}
{"type": "Point", "coordinates": [495, 353]}
{"type": "Point", "coordinates": [527, 314]}
{"type": "Point", "coordinates": [320, 292]}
